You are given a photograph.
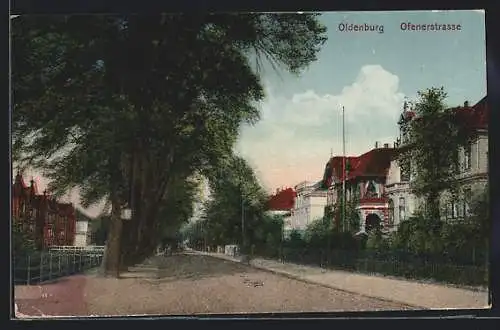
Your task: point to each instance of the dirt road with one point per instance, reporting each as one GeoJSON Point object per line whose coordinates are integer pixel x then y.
{"type": "Point", "coordinates": [189, 284]}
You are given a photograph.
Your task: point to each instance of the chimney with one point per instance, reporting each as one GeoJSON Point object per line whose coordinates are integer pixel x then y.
{"type": "Point", "coordinates": [386, 145]}
{"type": "Point", "coordinates": [376, 144]}
{"type": "Point", "coordinates": [277, 190]}
{"type": "Point", "coordinates": [466, 104]}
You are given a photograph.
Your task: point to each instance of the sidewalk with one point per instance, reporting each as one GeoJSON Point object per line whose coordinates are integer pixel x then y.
{"type": "Point", "coordinates": [423, 295]}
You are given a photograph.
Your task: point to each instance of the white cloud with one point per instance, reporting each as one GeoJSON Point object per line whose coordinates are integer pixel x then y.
{"type": "Point", "coordinates": [293, 140]}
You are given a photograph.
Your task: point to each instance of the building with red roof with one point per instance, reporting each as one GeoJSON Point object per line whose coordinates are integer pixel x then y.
{"type": "Point", "coordinates": [51, 223]}
{"type": "Point", "coordinates": [382, 186]}
{"type": "Point", "coordinates": [282, 200]}
{"type": "Point", "coordinates": [473, 160]}
{"type": "Point", "coordinates": [364, 179]}
{"type": "Point", "coordinates": [282, 203]}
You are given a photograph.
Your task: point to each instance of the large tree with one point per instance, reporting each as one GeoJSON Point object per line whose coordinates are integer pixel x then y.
{"type": "Point", "coordinates": [435, 137]}
{"type": "Point", "coordinates": [236, 207]}
{"type": "Point", "coordinates": [134, 100]}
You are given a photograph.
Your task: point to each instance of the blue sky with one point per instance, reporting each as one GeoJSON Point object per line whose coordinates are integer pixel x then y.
{"type": "Point", "coordinates": [369, 73]}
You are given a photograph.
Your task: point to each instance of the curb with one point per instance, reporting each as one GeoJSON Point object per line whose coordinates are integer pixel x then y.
{"type": "Point", "coordinates": [299, 278]}
{"type": "Point", "coordinates": [305, 280]}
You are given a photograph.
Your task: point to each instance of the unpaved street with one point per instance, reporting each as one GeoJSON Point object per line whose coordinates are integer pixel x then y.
{"type": "Point", "coordinates": [188, 284]}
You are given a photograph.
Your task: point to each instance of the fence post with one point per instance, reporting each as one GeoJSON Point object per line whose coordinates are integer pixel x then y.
{"type": "Point", "coordinates": [50, 265]}
{"type": "Point", "coordinates": [29, 270]}
{"type": "Point", "coordinates": [74, 261]}
{"type": "Point", "coordinates": [41, 268]}
{"type": "Point", "coordinates": [59, 262]}
{"type": "Point", "coordinates": [80, 266]}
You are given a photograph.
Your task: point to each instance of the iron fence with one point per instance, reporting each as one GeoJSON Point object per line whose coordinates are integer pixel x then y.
{"type": "Point", "coordinates": [46, 266]}
{"type": "Point", "coordinates": [398, 264]}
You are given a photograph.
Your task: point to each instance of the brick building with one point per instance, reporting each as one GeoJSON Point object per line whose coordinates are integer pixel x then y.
{"type": "Point", "coordinates": [52, 223]}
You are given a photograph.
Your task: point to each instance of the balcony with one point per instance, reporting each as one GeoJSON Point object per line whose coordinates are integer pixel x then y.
{"type": "Point", "coordinates": [373, 200]}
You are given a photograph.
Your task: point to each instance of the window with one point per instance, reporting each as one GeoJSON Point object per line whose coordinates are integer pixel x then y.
{"type": "Point", "coordinates": [391, 212]}
{"type": "Point", "coordinates": [81, 226]}
{"type": "Point", "coordinates": [402, 209]}
{"type": "Point", "coordinates": [467, 156]}
{"type": "Point", "coordinates": [453, 209]}
{"type": "Point", "coordinates": [467, 201]}
{"type": "Point", "coordinates": [460, 208]}
{"type": "Point", "coordinates": [371, 190]}
{"type": "Point", "coordinates": [405, 170]}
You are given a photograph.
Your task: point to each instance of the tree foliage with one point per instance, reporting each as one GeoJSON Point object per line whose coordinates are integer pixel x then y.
{"type": "Point", "coordinates": [460, 242]}
{"type": "Point", "coordinates": [237, 199]}
{"type": "Point", "coordinates": [121, 106]}
{"type": "Point", "coordinates": [376, 241]}
{"type": "Point", "coordinates": [269, 233]}
{"type": "Point", "coordinates": [435, 137]}
{"type": "Point", "coordinates": [23, 242]}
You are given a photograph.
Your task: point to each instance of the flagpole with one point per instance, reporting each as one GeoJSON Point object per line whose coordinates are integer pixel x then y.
{"type": "Point", "coordinates": [343, 170]}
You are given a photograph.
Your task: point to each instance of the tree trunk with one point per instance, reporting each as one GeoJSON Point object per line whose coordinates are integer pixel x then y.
{"type": "Point", "coordinates": [129, 241]}
{"type": "Point", "coordinates": [113, 256]}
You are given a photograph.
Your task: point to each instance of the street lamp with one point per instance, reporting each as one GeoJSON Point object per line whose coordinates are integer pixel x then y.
{"type": "Point", "coordinates": [243, 243]}
{"type": "Point", "coordinates": [126, 213]}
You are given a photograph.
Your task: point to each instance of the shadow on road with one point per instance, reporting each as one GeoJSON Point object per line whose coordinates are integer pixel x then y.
{"type": "Point", "coordinates": [186, 267]}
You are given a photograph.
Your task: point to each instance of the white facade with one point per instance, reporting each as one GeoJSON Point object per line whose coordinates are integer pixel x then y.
{"type": "Point", "coordinates": [402, 203]}
{"type": "Point", "coordinates": [309, 205]}
{"type": "Point", "coordinates": [82, 233]}
{"type": "Point", "coordinates": [473, 176]}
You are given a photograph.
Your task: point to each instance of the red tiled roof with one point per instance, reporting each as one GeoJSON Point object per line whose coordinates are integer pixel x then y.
{"type": "Point", "coordinates": [408, 115]}
{"type": "Point", "coordinates": [373, 163]}
{"type": "Point", "coordinates": [283, 200]}
{"type": "Point", "coordinates": [36, 198]}
{"type": "Point", "coordinates": [475, 117]}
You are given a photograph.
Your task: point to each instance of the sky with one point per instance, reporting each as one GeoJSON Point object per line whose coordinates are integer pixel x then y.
{"type": "Point", "coordinates": [369, 74]}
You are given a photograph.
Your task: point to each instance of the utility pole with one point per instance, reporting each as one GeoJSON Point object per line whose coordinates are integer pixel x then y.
{"type": "Point", "coordinates": [242, 211]}
{"type": "Point", "coordinates": [243, 243]}
{"type": "Point", "coordinates": [343, 171]}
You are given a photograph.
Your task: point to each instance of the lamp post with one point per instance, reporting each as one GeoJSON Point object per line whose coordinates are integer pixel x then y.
{"type": "Point", "coordinates": [282, 240]}
{"type": "Point", "coordinates": [126, 213]}
{"type": "Point", "coordinates": [343, 170]}
{"type": "Point", "coordinates": [243, 243]}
